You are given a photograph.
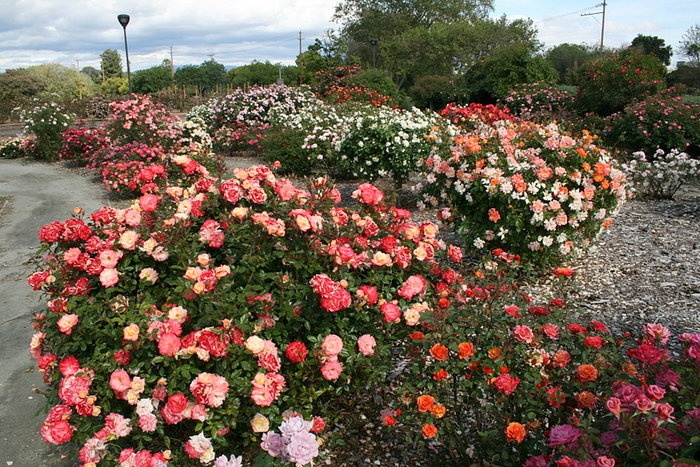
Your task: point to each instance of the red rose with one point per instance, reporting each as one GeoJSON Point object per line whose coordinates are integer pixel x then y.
{"type": "Point", "coordinates": [505, 383]}
{"type": "Point", "coordinates": [296, 352]}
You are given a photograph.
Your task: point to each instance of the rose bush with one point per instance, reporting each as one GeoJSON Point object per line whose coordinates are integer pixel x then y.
{"type": "Point", "coordinates": [540, 102]}
{"type": "Point", "coordinates": [660, 175]}
{"type": "Point", "coordinates": [532, 190]}
{"type": "Point", "coordinates": [186, 326]}
{"type": "Point", "coordinates": [45, 121]}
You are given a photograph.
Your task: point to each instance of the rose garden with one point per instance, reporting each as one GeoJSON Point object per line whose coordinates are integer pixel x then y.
{"type": "Point", "coordinates": [373, 266]}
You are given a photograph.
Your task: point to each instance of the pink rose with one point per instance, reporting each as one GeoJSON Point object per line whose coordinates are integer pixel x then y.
{"type": "Point", "coordinates": [109, 258]}
{"type": "Point", "coordinates": [148, 422]}
{"type": "Point", "coordinates": [120, 382]}
{"type": "Point", "coordinates": [209, 389]}
{"type": "Point", "coordinates": [368, 293]}
{"type": "Point", "coordinates": [149, 202]}
{"type": "Point", "coordinates": [332, 345]}
{"type": "Point", "coordinates": [109, 277]}
{"type": "Point", "coordinates": [523, 333]}
{"type": "Point", "coordinates": [331, 370]}
{"type": "Point", "coordinates": [366, 344]}
{"type": "Point", "coordinates": [58, 432]}
{"type": "Point", "coordinates": [391, 312]}
{"type": "Point", "coordinates": [66, 322]}
{"type": "Point", "coordinates": [563, 434]}
{"type": "Point", "coordinates": [368, 194]}
{"type": "Point", "coordinates": [168, 344]}
{"type": "Point", "coordinates": [414, 285]}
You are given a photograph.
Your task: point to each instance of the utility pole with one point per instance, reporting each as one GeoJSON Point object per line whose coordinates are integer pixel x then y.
{"type": "Point", "coordinates": [300, 42]}
{"type": "Point", "coordinates": [602, 25]}
{"type": "Point", "coordinates": [172, 64]}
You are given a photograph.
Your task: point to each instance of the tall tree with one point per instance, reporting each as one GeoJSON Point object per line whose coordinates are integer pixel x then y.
{"type": "Point", "coordinates": [152, 79]}
{"type": "Point", "coordinates": [652, 45]}
{"type": "Point", "coordinates": [568, 59]}
{"type": "Point", "coordinates": [690, 45]}
{"type": "Point", "coordinates": [111, 64]}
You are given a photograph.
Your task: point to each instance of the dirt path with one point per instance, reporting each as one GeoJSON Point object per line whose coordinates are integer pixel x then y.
{"type": "Point", "coordinates": [31, 195]}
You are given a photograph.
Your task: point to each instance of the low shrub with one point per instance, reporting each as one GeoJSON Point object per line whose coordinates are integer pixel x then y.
{"type": "Point", "coordinates": [82, 144]}
{"type": "Point", "coordinates": [13, 148]}
{"type": "Point", "coordinates": [46, 121]}
{"type": "Point", "coordinates": [531, 190]}
{"type": "Point", "coordinates": [540, 102]}
{"type": "Point", "coordinates": [660, 175]}
{"type": "Point", "coordinates": [661, 121]}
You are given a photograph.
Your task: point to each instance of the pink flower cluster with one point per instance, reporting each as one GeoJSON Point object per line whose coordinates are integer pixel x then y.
{"type": "Point", "coordinates": [294, 443]}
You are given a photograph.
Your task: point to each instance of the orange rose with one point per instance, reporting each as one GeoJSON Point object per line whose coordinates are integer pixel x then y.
{"type": "Point", "coordinates": [494, 353]}
{"type": "Point", "coordinates": [586, 373]}
{"type": "Point", "coordinates": [586, 400]}
{"type": "Point", "coordinates": [465, 350]}
{"type": "Point", "coordinates": [515, 432]}
{"type": "Point", "coordinates": [439, 352]}
{"type": "Point", "coordinates": [438, 410]}
{"type": "Point", "coordinates": [425, 402]}
{"type": "Point", "coordinates": [429, 430]}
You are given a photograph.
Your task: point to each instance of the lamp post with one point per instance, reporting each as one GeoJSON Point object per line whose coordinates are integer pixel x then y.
{"type": "Point", "coordinates": [124, 20]}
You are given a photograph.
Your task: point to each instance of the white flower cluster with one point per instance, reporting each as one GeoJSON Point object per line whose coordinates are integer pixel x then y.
{"type": "Point", "coordinates": [661, 175]}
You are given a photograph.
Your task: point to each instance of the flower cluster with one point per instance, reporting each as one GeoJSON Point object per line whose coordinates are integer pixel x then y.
{"type": "Point", "coordinates": [82, 144]}
{"type": "Point", "coordinates": [206, 303]}
{"type": "Point", "coordinates": [46, 121]}
{"type": "Point", "coordinates": [539, 102]}
{"type": "Point", "coordinates": [13, 148]}
{"type": "Point", "coordinates": [662, 174]}
{"type": "Point", "coordinates": [467, 117]}
{"type": "Point", "coordinates": [532, 190]}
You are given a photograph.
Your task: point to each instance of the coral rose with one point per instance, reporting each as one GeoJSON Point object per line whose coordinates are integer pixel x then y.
{"type": "Point", "coordinates": [586, 373]}
{"type": "Point", "coordinates": [515, 432]}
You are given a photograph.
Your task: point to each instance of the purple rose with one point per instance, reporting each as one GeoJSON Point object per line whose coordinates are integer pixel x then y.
{"type": "Point", "coordinates": [272, 443]}
{"type": "Point", "coordinates": [563, 434]}
{"type": "Point", "coordinates": [301, 448]}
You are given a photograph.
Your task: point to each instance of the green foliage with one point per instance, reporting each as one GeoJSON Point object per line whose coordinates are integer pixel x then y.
{"type": "Point", "coordinates": [495, 76]}
{"type": "Point", "coordinates": [684, 75]}
{"type": "Point", "coordinates": [111, 64]}
{"type": "Point", "coordinates": [115, 86]}
{"type": "Point", "coordinates": [652, 45]}
{"type": "Point", "coordinates": [261, 74]}
{"type": "Point", "coordinates": [46, 121]}
{"type": "Point", "coordinates": [568, 59]}
{"type": "Point", "coordinates": [205, 78]}
{"type": "Point", "coordinates": [152, 80]}
{"type": "Point", "coordinates": [661, 121]}
{"type": "Point", "coordinates": [610, 83]}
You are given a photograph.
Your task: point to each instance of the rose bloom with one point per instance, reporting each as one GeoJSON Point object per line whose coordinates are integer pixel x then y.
{"type": "Point", "coordinates": [109, 277]}
{"type": "Point", "coordinates": [57, 432]}
{"type": "Point", "coordinates": [550, 330]}
{"type": "Point", "coordinates": [494, 215]}
{"type": "Point", "coordinates": [255, 344]}
{"type": "Point", "coordinates": [149, 275]}
{"type": "Point", "coordinates": [331, 370]}
{"type": "Point", "coordinates": [425, 402]}
{"type": "Point", "coordinates": [209, 389]}
{"type": "Point", "coordinates": [561, 358]}
{"type": "Point", "coordinates": [563, 434]}
{"type": "Point", "coordinates": [438, 410]}
{"type": "Point", "coordinates": [259, 423]}
{"type": "Point", "coordinates": [200, 447]}
{"type": "Point", "coordinates": [586, 399]}
{"type": "Point", "coordinates": [465, 350]}
{"type": "Point", "coordinates": [332, 345]}
{"type": "Point", "coordinates": [429, 430]}
{"type": "Point", "coordinates": [149, 202]}
{"type": "Point", "coordinates": [391, 312]}
{"type": "Point", "coordinates": [66, 322]}
{"type": "Point", "coordinates": [169, 344]}
{"type": "Point", "coordinates": [368, 194]}
{"type": "Point", "coordinates": [586, 373]}
{"type": "Point", "coordinates": [515, 432]}
{"type": "Point", "coordinates": [439, 352]}
{"type": "Point", "coordinates": [381, 259]}
{"type": "Point", "coordinates": [120, 382]}
{"type": "Point", "coordinates": [523, 333]}
{"type": "Point", "coordinates": [505, 383]}
{"type": "Point", "coordinates": [128, 239]}
{"type": "Point", "coordinates": [366, 344]}
{"type": "Point", "coordinates": [131, 332]}
{"type": "Point", "coordinates": [296, 352]}
{"type": "Point", "coordinates": [594, 342]}
{"type": "Point", "coordinates": [368, 293]}
{"type": "Point", "coordinates": [414, 285]}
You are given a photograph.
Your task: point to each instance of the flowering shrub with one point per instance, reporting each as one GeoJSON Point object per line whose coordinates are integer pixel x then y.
{"type": "Point", "coordinates": [140, 120]}
{"type": "Point", "coordinates": [662, 121]}
{"type": "Point", "coordinates": [82, 144]}
{"type": "Point", "coordinates": [239, 119]}
{"type": "Point", "coordinates": [509, 380]}
{"type": "Point", "coordinates": [539, 102]}
{"type": "Point", "coordinates": [347, 84]}
{"type": "Point", "coordinates": [46, 121]}
{"type": "Point", "coordinates": [189, 324]}
{"type": "Point", "coordinates": [529, 189]}
{"type": "Point", "coordinates": [13, 148]}
{"type": "Point", "coordinates": [611, 83]}
{"type": "Point", "coordinates": [356, 141]}
{"type": "Point", "coordinates": [662, 174]}
{"type": "Point", "coordinates": [470, 116]}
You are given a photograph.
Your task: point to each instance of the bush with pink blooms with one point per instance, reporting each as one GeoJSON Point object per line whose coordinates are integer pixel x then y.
{"type": "Point", "coordinates": [532, 190]}
{"type": "Point", "coordinates": [206, 314]}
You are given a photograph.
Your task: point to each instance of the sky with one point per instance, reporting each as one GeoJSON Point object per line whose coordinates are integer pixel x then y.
{"type": "Point", "coordinates": [234, 32]}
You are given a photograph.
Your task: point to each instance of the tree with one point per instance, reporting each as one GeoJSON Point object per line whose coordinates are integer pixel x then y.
{"type": "Point", "coordinates": [690, 45]}
{"type": "Point", "coordinates": [261, 73]}
{"type": "Point", "coordinates": [652, 45]}
{"type": "Point", "coordinates": [206, 77]}
{"type": "Point", "coordinates": [111, 64]}
{"type": "Point", "coordinates": [152, 79]}
{"type": "Point", "coordinates": [94, 74]}
{"type": "Point", "coordinates": [568, 59]}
